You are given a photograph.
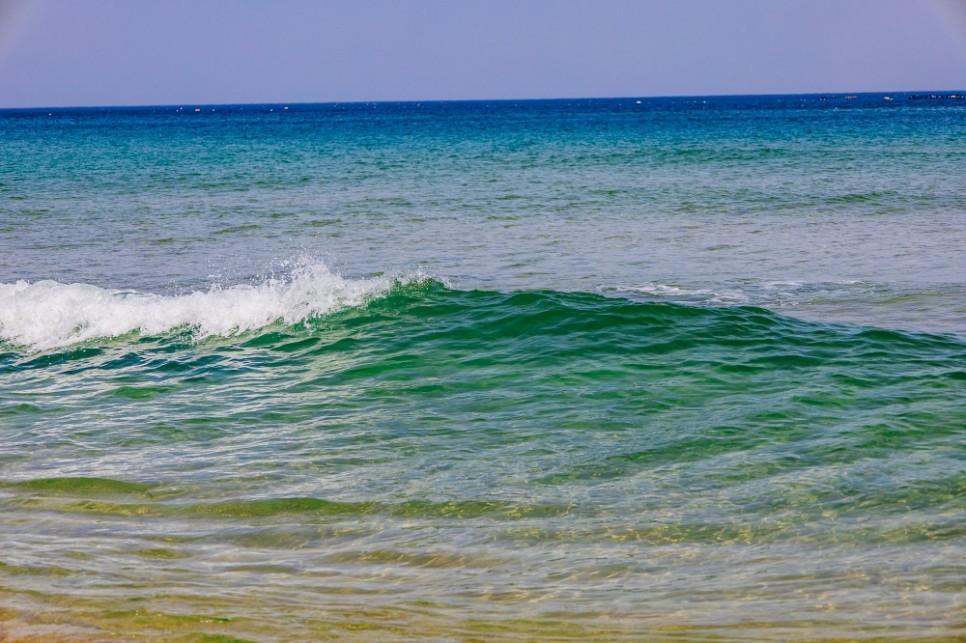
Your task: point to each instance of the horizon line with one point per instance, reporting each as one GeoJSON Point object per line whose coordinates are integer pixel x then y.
{"type": "Point", "coordinates": [486, 100]}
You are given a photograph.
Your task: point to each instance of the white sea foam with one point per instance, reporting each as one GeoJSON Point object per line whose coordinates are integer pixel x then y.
{"type": "Point", "coordinates": [48, 314]}
{"type": "Point", "coordinates": [758, 293]}
{"type": "Point", "coordinates": [670, 291]}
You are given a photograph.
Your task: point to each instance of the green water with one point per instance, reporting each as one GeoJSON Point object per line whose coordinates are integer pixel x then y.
{"type": "Point", "coordinates": [654, 464]}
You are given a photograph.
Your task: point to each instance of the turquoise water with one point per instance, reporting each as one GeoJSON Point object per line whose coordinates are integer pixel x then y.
{"type": "Point", "coordinates": [644, 368]}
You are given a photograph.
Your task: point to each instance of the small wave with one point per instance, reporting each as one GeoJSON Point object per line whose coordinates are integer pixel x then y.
{"type": "Point", "coordinates": [688, 295]}
{"type": "Point", "coordinates": [767, 294]}
{"type": "Point", "coordinates": [47, 315]}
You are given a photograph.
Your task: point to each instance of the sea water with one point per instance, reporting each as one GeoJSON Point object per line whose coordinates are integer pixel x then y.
{"type": "Point", "coordinates": [624, 368]}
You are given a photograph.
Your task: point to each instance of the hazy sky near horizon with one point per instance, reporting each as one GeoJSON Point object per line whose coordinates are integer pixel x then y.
{"type": "Point", "coordinates": [145, 52]}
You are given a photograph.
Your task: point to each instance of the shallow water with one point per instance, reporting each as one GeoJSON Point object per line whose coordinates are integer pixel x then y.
{"type": "Point", "coordinates": [680, 369]}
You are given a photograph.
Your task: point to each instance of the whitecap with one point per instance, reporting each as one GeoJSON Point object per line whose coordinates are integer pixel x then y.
{"type": "Point", "coordinates": [47, 314]}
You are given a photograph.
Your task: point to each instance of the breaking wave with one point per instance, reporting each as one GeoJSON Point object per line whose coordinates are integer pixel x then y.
{"type": "Point", "coordinates": [45, 315]}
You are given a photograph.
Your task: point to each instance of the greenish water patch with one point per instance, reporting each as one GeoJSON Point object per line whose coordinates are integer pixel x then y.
{"type": "Point", "coordinates": [17, 409]}
{"type": "Point", "coordinates": [239, 228]}
{"type": "Point", "coordinates": [306, 508]}
{"type": "Point", "coordinates": [275, 507]}
{"type": "Point", "coordinates": [162, 553]}
{"type": "Point", "coordinates": [53, 359]}
{"type": "Point", "coordinates": [218, 638]}
{"type": "Point", "coordinates": [141, 392]}
{"type": "Point", "coordinates": [863, 197]}
{"type": "Point", "coordinates": [35, 570]}
{"type": "Point", "coordinates": [81, 486]}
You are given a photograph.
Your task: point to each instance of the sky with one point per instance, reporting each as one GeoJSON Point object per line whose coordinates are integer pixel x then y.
{"type": "Point", "coordinates": [167, 52]}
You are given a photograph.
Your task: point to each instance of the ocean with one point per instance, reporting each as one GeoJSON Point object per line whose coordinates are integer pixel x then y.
{"type": "Point", "coordinates": [612, 369]}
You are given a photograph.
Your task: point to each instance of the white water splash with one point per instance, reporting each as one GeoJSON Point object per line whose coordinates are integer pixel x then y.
{"type": "Point", "coordinates": [769, 294]}
{"type": "Point", "coordinates": [689, 295]}
{"type": "Point", "coordinates": [48, 314]}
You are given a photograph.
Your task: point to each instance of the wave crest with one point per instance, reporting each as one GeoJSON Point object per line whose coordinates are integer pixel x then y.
{"type": "Point", "coordinates": [47, 314]}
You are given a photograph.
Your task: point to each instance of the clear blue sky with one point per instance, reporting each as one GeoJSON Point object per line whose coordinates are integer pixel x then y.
{"type": "Point", "coordinates": [137, 52]}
